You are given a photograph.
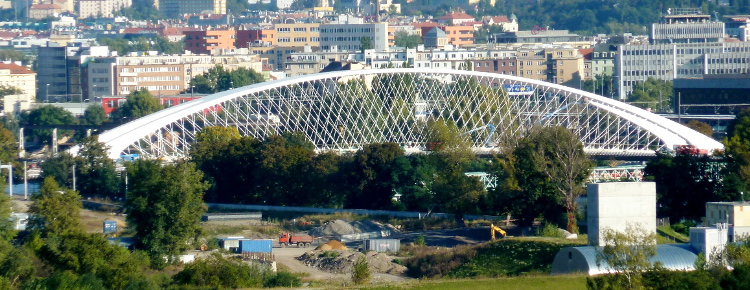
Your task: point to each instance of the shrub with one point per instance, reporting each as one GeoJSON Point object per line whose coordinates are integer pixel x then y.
{"type": "Point", "coordinates": [282, 279]}
{"type": "Point", "coordinates": [329, 254]}
{"type": "Point", "coordinates": [217, 271]}
{"type": "Point", "coordinates": [361, 273]}
{"type": "Point", "coordinates": [436, 262]}
{"type": "Point", "coordinates": [550, 231]}
{"type": "Point", "coordinates": [683, 227]}
{"type": "Point", "coordinates": [419, 241]}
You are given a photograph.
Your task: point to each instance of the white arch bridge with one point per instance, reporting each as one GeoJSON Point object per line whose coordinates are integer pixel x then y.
{"type": "Point", "coordinates": [344, 110]}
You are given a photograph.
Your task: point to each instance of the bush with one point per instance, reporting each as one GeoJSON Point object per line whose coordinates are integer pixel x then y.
{"type": "Point", "coordinates": [282, 279]}
{"type": "Point", "coordinates": [683, 227]}
{"type": "Point", "coordinates": [549, 231]}
{"type": "Point", "coordinates": [419, 241]}
{"type": "Point", "coordinates": [217, 271]}
{"type": "Point", "coordinates": [361, 273]}
{"type": "Point", "coordinates": [436, 262]}
{"type": "Point", "coordinates": [329, 254]}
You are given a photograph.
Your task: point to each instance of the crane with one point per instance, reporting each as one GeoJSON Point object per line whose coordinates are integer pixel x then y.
{"type": "Point", "coordinates": [489, 137]}
{"type": "Point", "coordinates": [495, 229]}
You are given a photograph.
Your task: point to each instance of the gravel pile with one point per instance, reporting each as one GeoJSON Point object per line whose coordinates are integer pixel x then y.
{"type": "Point", "coordinates": [342, 262]}
{"type": "Point", "coordinates": [341, 227]}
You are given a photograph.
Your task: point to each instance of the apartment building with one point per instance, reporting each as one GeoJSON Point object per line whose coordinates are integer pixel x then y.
{"type": "Point", "coordinates": [297, 34]}
{"type": "Point", "coordinates": [532, 63]}
{"type": "Point", "coordinates": [101, 8]}
{"type": "Point", "coordinates": [565, 66]}
{"type": "Point", "coordinates": [39, 11]}
{"type": "Point", "coordinates": [15, 75]}
{"type": "Point", "coordinates": [253, 37]}
{"type": "Point", "coordinates": [204, 41]}
{"type": "Point", "coordinates": [501, 61]}
{"type": "Point", "coordinates": [159, 74]}
{"type": "Point", "coordinates": [459, 35]}
{"type": "Point", "coordinates": [347, 37]}
{"type": "Point", "coordinates": [177, 8]}
{"type": "Point", "coordinates": [310, 62]}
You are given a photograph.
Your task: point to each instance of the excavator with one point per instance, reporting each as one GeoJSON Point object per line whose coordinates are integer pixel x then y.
{"type": "Point", "coordinates": [495, 229]}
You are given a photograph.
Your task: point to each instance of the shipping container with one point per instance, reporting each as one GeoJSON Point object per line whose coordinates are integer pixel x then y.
{"type": "Point", "coordinates": [255, 246]}
{"type": "Point", "coordinates": [230, 244]}
{"type": "Point", "coordinates": [110, 227]}
{"type": "Point", "coordinates": [382, 245]}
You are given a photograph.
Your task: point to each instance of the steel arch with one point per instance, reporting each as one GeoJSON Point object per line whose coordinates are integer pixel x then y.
{"type": "Point", "coordinates": [346, 109]}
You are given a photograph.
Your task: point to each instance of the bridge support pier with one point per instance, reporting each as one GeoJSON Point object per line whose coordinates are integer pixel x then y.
{"type": "Point", "coordinates": [21, 141]}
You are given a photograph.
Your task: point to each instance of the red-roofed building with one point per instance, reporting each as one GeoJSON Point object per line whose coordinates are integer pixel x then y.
{"type": "Point", "coordinates": [39, 11]}
{"type": "Point", "coordinates": [455, 18]}
{"type": "Point", "coordinates": [14, 75]}
{"type": "Point", "coordinates": [587, 54]}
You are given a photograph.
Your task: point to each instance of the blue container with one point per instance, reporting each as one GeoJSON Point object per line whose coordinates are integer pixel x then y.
{"type": "Point", "coordinates": [110, 227]}
{"type": "Point", "coordinates": [255, 246]}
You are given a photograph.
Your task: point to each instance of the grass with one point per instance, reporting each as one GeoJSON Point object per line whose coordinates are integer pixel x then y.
{"type": "Point", "coordinates": [669, 233]}
{"type": "Point", "coordinates": [509, 283]}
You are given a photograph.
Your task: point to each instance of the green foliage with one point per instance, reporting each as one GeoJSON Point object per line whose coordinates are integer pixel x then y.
{"type": "Point", "coordinates": [628, 252]}
{"type": "Point", "coordinates": [684, 183]}
{"type": "Point", "coordinates": [420, 241]}
{"type": "Point", "coordinates": [94, 115]}
{"type": "Point", "coordinates": [550, 231]}
{"type": "Point", "coordinates": [218, 271]}
{"type": "Point", "coordinates": [16, 265]}
{"type": "Point", "coordinates": [361, 273]}
{"type": "Point", "coordinates": [218, 79]}
{"type": "Point", "coordinates": [365, 43]}
{"type": "Point", "coordinates": [701, 127]}
{"type": "Point", "coordinates": [542, 176]}
{"type": "Point", "coordinates": [512, 257]}
{"type": "Point", "coordinates": [329, 254]}
{"type": "Point", "coordinates": [683, 227]}
{"type": "Point", "coordinates": [60, 168]}
{"type": "Point", "coordinates": [7, 226]}
{"type": "Point", "coordinates": [55, 210]}
{"type": "Point", "coordinates": [95, 172]}
{"type": "Point", "coordinates": [15, 55]}
{"type": "Point", "coordinates": [164, 205]}
{"type": "Point", "coordinates": [8, 151]}
{"type": "Point", "coordinates": [738, 279]}
{"type": "Point", "coordinates": [47, 115]}
{"type": "Point", "coordinates": [141, 10]}
{"type": "Point", "coordinates": [653, 94]}
{"type": "Point", "coordinates": [139, 103]}
{"type": "Point", "coordinates": [433, 262]}
{"type": "Point", "coordinates": [405, 39]}
{"type": "Point", "coordinates": [282, 279]}
{"type": "Point", "coordinates": [670, 234]}
{"type": "Point", "coordinates": [377, 170]}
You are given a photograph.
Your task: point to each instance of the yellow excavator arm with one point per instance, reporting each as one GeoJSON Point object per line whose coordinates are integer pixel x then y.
{"type": "Point", "coordinates": [495, 229]}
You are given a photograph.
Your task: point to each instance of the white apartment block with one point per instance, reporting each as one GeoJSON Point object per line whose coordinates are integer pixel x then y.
{"type": "Point", "coordinates": [636, 63]}
{"type": "Point", "coordinates": [687, 25]}
{"type": "Point", "coordinates": [347, 37]}
{"type": "Point", "coordinates": [101, 8]}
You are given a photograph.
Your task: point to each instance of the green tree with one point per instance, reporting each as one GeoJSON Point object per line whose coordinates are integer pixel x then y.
{"type": "Point", "coordinates": [138, 104]}
{"type": "Point", "coordinates": [60, 168]}
{"type": "Point", "coordinates": [55, 211]}
{"type": "Point", "coordinates": [378, 170]}
{"type": "Point", "coordinates": [7, 226]}
{"type": "Point", "coordinates": [560, 158]}
{"type": "Point", "coordinates": [47, 115]}
{"type": "Point", "coordinates": [17, 265]}
{"type": "Point", "coordinates": [685, 182]}
{"type": "Point", "coordinates": [94, 115]}
{"type": "Point", "coordinates": [405, 39]}
{"type": "Point", "coordinates": [602, 84]}
{"type": "Point", "coordinates": [8, 152]}
{"type": "Point", "coordinates": [365, 43]}
{"type": "Point", "coordinates": [95, 172]}
{"type": "Point", "coordinates": [164, 205]}
{"type": "Point", "coordinates": [218, 79]}
{"type": "Point", "coordinates": [361, 273]}
{"type": "Point", "coordinates": [653, 94]}
{"type": "Point", "coordinates": [701, 127]}
{"type": "Point", "coordinates": [628, 252]}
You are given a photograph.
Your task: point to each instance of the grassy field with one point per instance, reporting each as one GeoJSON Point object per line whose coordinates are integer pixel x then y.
{"type": "Point", "coordinates": [510, 283]}
{"type": "Point", "coordinates": [669, 233]}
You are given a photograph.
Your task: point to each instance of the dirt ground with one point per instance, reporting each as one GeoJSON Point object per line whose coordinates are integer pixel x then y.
{"type": "Point", "coordinates": [287, 257]}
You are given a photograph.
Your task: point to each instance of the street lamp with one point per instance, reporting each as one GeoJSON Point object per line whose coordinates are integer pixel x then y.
{"type": "Point", "coordinates": [231, 85]}
{"type": "Point", "coordinates": [46, 95]}
{"type": "Point", "coordinates": [192, 88]}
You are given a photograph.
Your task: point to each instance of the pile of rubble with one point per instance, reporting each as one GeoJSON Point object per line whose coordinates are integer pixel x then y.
{"type": "Point", "coordinates": [342, 262]}
{"type": "Point", "coordinates": [339, 228]}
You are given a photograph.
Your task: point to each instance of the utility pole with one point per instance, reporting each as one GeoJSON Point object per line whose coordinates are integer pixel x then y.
{"type": "Point", "coordinates": [74, 177]}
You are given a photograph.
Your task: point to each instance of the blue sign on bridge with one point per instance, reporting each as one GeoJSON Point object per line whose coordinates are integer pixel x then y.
{"type": "Point", "coordinates": [517, 89]}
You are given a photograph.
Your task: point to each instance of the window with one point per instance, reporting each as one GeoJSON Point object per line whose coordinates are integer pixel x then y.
{"type": "Point", "coordinates": [300, 29]}
{"type": "Point", "coordinates": [282, 29]}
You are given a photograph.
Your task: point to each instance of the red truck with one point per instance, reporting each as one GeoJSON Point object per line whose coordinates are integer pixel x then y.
{"type": "Point", "coordinates": [299, 240]}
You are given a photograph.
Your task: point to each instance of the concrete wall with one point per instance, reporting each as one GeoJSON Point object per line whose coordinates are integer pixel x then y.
{"type": "Point", "coordinates": [614, 205]}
